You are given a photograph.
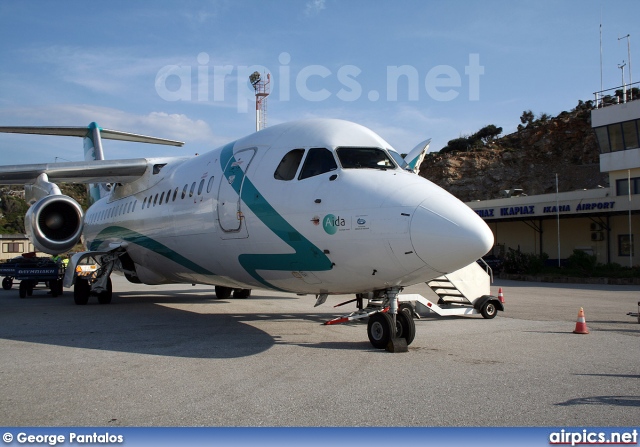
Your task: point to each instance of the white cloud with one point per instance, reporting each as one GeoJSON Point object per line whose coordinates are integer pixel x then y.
{"type": "Point", "coordinates": [313, 7]}
{"type": "Point", "coordinates": [201, 13]}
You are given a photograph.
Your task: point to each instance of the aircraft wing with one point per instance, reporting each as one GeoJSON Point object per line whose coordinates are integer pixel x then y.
{"type": "Point", "coordinates": [97, 171]}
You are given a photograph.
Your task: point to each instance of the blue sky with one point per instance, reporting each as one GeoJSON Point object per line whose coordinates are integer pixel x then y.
{"type": "Point", "coordinates": [409, 70]}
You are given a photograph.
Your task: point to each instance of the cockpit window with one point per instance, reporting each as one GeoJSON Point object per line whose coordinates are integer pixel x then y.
{"type": "Point", "coordinates": [318, 161]}
{"type": "Point", "coordinates": [364, 158]}
{"type": "Point", "coordinates": [288, 166]}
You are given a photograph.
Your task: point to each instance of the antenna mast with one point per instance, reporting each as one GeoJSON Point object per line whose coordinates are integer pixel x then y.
{"type": "Point", "coordinates": [624, 86]}
{"type": "Point", "coordinates": [628, 37]}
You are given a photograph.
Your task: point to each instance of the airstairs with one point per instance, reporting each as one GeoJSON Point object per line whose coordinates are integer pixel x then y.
{"type": "Point", "coordinates": [463, 292]}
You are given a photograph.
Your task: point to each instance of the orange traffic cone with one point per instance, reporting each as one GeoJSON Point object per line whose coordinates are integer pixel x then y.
{"type": "Point", "coordinates": [500, 295]}
{"type": "Point", "coordinates": [581, 324]}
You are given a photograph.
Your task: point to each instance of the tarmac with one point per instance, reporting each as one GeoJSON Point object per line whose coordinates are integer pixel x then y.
{"type": "Point", "coordinates": [173, 355]}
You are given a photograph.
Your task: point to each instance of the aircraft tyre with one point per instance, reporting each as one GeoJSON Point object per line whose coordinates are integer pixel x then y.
{"type": "Point", "coordinates": [223, 293]}
{"type": "Point", "coordinates": [241, 293]}
{"type": "Point", "coordinates": [104, 297]}
{"type": "Point", "coordinates": [405, 326]}
{"type": "Point", "coordinates": [7, 283]}
{"type": "Point", "coordinates": [379, 329]}
{"type": "Point", "coordinates": [30, 287]}
{"type": "Point", "coordinates": [81, 291]}
{"type": "Point", "coordinates": [489, 310]}
{"type": "Point", "coordinates": [23, 289]}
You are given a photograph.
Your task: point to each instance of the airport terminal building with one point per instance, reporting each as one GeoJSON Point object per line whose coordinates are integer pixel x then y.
{"type": "Point", "coordinates": [600, 221]}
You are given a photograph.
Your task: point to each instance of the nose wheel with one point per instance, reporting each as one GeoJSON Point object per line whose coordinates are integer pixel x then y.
{"type": "Point", "coordinates": [379, 328]}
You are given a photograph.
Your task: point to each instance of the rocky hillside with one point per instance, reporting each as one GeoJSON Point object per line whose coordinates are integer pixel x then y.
{"type": "Point", "coordinates": [528, 159]}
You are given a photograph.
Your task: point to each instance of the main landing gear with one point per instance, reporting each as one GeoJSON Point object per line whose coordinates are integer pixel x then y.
{"type": "Point", "coordinates": [84, 288]}
{"type": "Point", "coordinates": [390, 326]}
{"type": "Point", "coordinates": [97, 284]}
{"type": "Point", "coordinates": [224, 293]}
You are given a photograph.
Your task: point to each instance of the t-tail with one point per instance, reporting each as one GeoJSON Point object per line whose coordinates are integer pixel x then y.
{"type": "Point", "coordinates": [92, 141]}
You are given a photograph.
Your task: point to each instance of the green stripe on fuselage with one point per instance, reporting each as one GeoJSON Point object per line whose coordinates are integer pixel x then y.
{"type": "Point", "coordinates": [134, 237]}
{"type": "Point", "coordinates": [307, 257]}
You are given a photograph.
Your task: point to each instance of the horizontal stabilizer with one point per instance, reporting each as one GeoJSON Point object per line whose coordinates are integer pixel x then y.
{"type": "Point", "coordinates": [82, 132]}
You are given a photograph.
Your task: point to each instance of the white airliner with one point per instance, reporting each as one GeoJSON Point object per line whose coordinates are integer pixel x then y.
{"type": "Point", "coordinates": [318, 207]}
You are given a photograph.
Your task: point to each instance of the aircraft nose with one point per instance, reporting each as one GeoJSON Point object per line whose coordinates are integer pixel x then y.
{"type": "Point", "coordinates": [448, 236]}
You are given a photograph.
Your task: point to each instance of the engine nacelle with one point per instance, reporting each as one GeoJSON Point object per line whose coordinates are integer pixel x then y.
{"type": "Point", "coordinates": [54, 223]}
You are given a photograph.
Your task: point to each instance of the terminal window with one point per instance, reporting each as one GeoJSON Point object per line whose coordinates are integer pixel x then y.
{"type": "Point", "coordinates": [13, 247]}
{"type": "Point", "coordinates": [618, 136]}
{"type": "Point", "coordinates": [622, 186]}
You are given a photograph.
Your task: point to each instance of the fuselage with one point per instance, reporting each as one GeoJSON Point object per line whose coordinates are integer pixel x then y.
{"type": "Point", "coordinates": [317, 206]}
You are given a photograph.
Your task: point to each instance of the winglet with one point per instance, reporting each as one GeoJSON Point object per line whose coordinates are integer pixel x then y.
{"type": "Point", "coordinates": [416, 155]}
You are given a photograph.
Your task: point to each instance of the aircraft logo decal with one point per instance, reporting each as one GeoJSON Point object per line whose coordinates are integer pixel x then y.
{"type": "Point", "coordinates": [332, 224]}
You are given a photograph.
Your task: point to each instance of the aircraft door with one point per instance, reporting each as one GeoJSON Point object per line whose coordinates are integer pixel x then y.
{"type": "Point", "coordinates": [230, 206]}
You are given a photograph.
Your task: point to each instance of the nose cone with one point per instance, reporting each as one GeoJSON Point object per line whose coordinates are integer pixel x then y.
{"type": "Point", "coordinates": [448, 235]}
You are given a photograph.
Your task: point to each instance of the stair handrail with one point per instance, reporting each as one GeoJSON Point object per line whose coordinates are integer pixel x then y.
{"type": "Point", "coordinates": [488, 269]}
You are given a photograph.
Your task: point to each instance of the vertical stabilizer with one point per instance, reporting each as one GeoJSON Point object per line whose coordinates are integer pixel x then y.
{"type": "Point", "coordinates": [93, 151]}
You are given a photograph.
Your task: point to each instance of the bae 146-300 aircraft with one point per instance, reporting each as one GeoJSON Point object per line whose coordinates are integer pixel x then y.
{"type": "Point", "coordinates": [315, 207]}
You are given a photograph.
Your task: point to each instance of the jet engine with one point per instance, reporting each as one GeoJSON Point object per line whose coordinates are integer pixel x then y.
{"type": "Point", "coordinates": [54, 223]}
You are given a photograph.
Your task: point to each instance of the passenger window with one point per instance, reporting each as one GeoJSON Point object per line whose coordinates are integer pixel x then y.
{"type": "Point", "coordinates": [144, 202]}
{"type": "Point", "coordinates": [175, 194]}
{"type": "Point", "coordinates": [318, 161]}
{"type": "Point", "coordinates": [364, 158]}
{"type": "Point", "coordinates": [193, 188]}
{"type": "Point", "coordinates": [135, 202]}
{"type": "Point", "coordinates": [288, 166]}
{"type": "Point", "coordinates": [168, 194]}
{"type": "Point", "coordinates": [184, 191]}
{"type": "Point", "coordinates": [210, 185]}
{"type": "Point", "coordinates": [200, 186]}
{"type": "Point", "coordinates": [155, 200]}
{"type": "Point", "coordinates": [161, 198]}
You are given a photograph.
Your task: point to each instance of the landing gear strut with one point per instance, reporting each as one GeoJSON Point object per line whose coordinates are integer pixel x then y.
{"type": "Point", "coordinates": [98, 284]}
{"type": "Point", "coordinates": [390, 326]}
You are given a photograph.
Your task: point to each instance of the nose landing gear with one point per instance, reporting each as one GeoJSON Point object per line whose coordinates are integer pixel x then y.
{"type": "Point", "coordinates": [390, 326]}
